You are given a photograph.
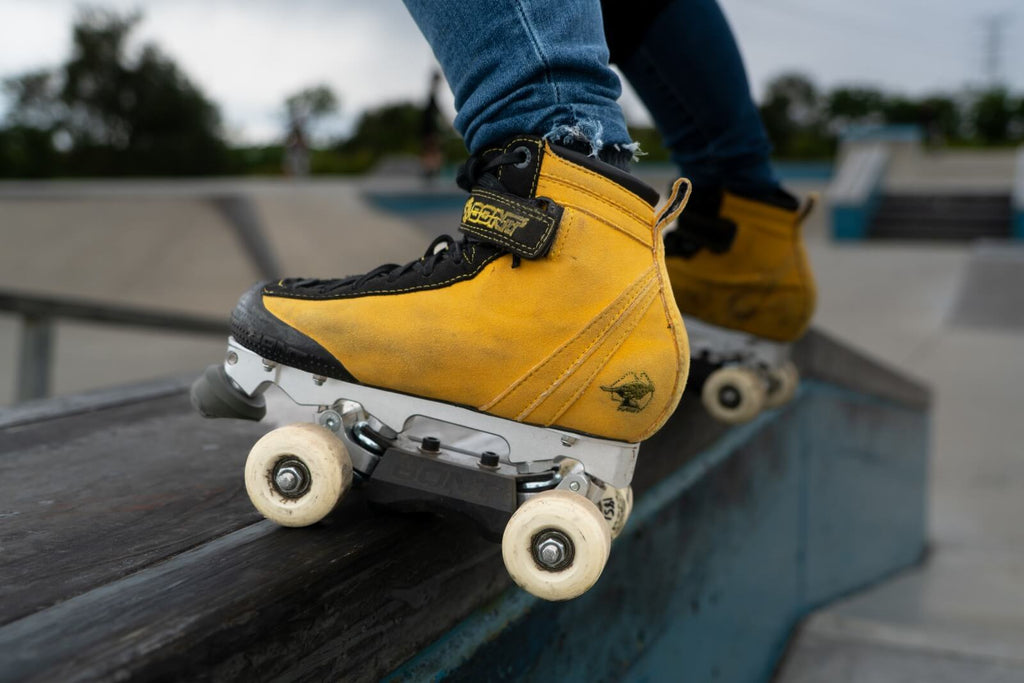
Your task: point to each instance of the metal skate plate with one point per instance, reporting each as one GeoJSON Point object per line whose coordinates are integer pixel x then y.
{"type": "Point", "coordinates": [719, 344]}
{"type": "Point", "coordinates": [610, 461]}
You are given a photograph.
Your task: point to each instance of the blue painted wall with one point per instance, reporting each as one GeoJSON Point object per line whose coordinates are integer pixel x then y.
{"type": "Point", "coordinates": [721, 558]}
{"type": "Point", "coordinates": [851, 221]}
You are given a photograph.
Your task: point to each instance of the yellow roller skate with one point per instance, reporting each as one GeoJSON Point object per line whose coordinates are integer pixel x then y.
{"type": "Point", "coordinates": [742, 281]}
{"type": "Point", "coordinates": [508, 375]}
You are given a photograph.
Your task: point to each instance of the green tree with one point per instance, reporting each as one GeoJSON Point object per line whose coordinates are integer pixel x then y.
{"type": "Point", "coordinates": [899, 110]}
{"type": "Point", "coordinates": [941, 118]}
{"type": "Point", "coordinates": [794, 116]}
{"type": "Point", "coordinates": [848, 105]}
{"type": "Point", "coordinates": [118, 114]}
{"type": "Point", "coordinates": [27, 152]}
{"type": "Point", "coordinates": [992, 116]}
{"type": "Point", "coordinates": [393, 129]}
{"type": "Point", "coordinates": [310, 104]}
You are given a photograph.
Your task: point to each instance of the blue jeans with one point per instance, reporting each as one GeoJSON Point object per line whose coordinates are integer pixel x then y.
{"type": "Point", "coordinates": [537, 67]}
{"type": "Point", "coordinates": [687, 69]}
{"type": "Point", "coordinates": [540, 67]}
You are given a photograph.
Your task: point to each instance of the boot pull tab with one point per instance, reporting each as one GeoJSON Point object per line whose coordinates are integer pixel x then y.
{"type": "Point", "coordinates": [807, 207]}
{"type": "Point", "coordinates": [674, 206]}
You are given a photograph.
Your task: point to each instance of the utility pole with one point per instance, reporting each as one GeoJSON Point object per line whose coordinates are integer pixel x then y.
{"type": "Point", "coordinates": [993, 46]}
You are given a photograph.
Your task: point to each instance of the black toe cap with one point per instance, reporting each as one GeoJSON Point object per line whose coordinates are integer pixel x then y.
{"type": "Point", "coordinates": [258, 330]}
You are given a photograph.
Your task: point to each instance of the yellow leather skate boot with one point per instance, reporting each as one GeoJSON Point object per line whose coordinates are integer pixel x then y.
{"type": "Point", "coordinates": [505, 377]}
{"type": "Point", "coordinates": [742, 281]}
{"type": "Point", "coordinates": [554, 309]}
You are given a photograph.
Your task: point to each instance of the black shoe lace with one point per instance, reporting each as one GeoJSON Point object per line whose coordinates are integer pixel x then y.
{"type": "Point", "coordinates": [476, 172]}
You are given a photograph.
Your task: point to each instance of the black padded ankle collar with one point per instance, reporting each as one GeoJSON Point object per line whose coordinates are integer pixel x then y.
{"type": "Point", "coordinates": [616, 175]}
{"type": "Point", "coordinates": [521, 179]}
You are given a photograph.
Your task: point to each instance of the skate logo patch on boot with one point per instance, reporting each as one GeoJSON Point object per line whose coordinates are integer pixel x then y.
{"type": "Point", "coordinates": [633, 391]}
{"type": "Point", "coordinates": [525, 227]}
{"type": "Point", "coordinates": [493, 217]}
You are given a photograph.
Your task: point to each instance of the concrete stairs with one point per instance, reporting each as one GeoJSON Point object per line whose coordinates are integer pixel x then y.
{"type": "Point", "coordinates": [945, 215]}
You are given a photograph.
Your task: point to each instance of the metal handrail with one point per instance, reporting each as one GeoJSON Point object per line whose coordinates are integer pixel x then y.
{"type": "Point", "coordinates": [39, 312]}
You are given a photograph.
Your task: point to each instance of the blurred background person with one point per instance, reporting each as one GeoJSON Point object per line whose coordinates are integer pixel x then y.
{"type": "Point", "coordinates": [431, 157]}
{"type": "Point", "coordinates": [304, 109]}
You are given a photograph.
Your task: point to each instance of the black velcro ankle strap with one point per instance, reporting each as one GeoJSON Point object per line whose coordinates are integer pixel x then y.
{"type": "Point", "coordinates": [525, 227]}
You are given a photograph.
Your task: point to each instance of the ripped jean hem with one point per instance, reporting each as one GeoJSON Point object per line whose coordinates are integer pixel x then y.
{"type": "Point", "coordinates": [586, 136]}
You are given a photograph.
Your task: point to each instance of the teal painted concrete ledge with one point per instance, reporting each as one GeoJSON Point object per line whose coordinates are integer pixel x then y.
{"type": "Point", "coordinates": [723, 555]}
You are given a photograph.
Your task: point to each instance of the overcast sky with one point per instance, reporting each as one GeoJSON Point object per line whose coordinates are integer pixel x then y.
{"type": "Point", "coordinates": [248, 55]}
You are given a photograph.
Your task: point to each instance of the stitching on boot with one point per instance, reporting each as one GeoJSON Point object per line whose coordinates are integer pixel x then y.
{"type": "Point", "coordinates": [589, 381]}
{"type": "Point", "coordinates": [613, 309]}
{"type": "Point", "coordinates": [617, 322]}
{"type": "Point", "coordinates": [678, 336]}
{"type": "Point", "coordinates": [536, 170]}
{"type": "Point", "coordinates": [599, 197]}
{"type": "Point", "coordinates": [598, 176]}
{"type": "Point", "coordinates": [625, 231]}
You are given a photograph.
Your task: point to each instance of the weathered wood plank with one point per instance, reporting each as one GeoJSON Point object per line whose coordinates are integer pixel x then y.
{"type": "Point", "coordinates": [92, 497]}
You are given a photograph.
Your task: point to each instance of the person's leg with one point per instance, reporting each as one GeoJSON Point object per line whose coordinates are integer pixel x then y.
{"type": "Point", "coordinates": [683, 61]}
{"type": "Point", "coordinates": [552, 307]}
{"type": "Point", "coordinates": [548, 323]}
{"type": "Point", "coordinates": [738, 267]}
{"type": "Point", "coordinates": [528, 67]}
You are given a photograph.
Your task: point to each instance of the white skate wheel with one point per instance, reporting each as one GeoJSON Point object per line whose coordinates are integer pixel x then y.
{"type": "Point", "coordinates": [556, 545]}
{"type": "Point", "coordinates": [784, 381]}
{"type": "Point", "coordinates": [733, 394]}
{"type": "Point", "coordinates": [627, 494]}
{"type": "Point", "coordinates": [615, 505]}
{"type": "Point", "coordinates": [297, 474]}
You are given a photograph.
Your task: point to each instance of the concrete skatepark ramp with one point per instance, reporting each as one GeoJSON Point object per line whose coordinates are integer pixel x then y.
{"type": "Point", "coordinates": [889, 186]}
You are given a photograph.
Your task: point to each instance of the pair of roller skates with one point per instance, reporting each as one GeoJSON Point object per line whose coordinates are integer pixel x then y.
{"type": "Point", "coordinates": [508, 376]}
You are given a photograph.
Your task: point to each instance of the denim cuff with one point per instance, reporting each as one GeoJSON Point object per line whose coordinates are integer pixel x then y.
{"type": "Point", "coordinates": [586, 137]}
